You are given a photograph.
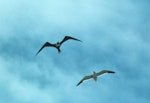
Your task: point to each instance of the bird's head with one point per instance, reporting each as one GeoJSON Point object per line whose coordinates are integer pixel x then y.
{"type": "Point", "coordinates": [94, 72]}
{"type": "Point", "coordinates": [58, 44]}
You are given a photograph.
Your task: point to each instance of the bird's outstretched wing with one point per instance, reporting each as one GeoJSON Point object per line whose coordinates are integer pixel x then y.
{"type": "Point", "coordinates": [104, 71]}
{"type": "Point", "coordinates": [45, 45]}
{"type": "Point", "coordinates": [69, 37]}
{"type": "Point", "coordinates": [85, 78]}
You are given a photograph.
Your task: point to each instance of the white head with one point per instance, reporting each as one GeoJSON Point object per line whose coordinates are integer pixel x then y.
{"type": "Point", "coordinates": [94, 76]}
{"type": "Point", "coordinates": [94, 72]}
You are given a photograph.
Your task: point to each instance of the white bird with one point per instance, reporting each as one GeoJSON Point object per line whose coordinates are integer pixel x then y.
{"type": "Point", "coordinates": [58, 44]}
{"type": "Point", "coordinates": [94, 75]}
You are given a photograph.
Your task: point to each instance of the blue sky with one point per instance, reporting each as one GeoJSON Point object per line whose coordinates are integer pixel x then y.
{"type": "Point", "coordinates": [115, 36]}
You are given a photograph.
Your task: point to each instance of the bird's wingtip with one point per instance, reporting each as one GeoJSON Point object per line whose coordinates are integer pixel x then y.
{"type": "Point", "coordinates": [112, 72]}
{"type": "Point", "coordinates": [77, 85]}
{"type": "Point", "coordinates": [81, 41]}
{"type": "Point", "coordinates": [36, 53]}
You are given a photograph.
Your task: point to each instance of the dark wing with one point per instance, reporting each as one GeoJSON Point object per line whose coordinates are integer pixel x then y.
{"type": "Point", "coordinates": [85, 78]}
{"type": "Point", "coordinates": [45, 45]}
{"type": "Point", "coordinates": [69, 37]}
{"type": "Point", "coordinates": [104, 71]}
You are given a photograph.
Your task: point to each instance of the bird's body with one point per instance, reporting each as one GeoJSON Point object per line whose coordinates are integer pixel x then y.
{"type": "Point", "coordinates": [58, 44]}
{"type": "Point", "coordinates": [94, 75]}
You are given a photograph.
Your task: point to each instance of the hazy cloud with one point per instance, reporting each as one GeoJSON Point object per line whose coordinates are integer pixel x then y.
{"type": "Point", "coordinates": [115, 36]}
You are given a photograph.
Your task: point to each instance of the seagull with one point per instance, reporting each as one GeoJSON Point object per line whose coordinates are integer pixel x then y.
{"type": "Point", "coordinates": [58, 44]}
{"type": "Point", "coordinates": [94, 75]}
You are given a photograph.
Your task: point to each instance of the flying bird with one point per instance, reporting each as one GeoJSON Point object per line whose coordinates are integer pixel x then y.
{"type": "Point", "coordinates": [94, 75]}
{"type": "Point", "coordinates": [58, 44]}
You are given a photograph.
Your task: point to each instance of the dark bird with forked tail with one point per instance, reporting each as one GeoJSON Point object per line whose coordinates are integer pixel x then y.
{"type": "Point", "coordinates": [94, 75]}
{"type": "Point", "coordinates": [58, 44]}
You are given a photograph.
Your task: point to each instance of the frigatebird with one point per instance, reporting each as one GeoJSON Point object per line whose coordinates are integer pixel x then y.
{"type": "Point", "coordinates": [58, 44]}
{"type": "Point", "coordinates": [94, 75]}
